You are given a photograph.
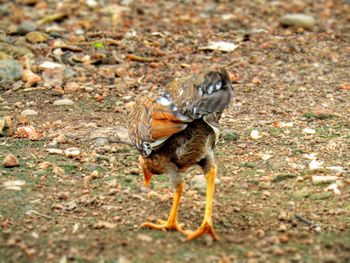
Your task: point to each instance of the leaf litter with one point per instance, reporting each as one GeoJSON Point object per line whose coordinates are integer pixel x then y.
{"type": "Point", "coordinates": [291, 86]}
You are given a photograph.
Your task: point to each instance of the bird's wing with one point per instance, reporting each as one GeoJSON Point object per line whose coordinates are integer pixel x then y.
{"type": "Point", "coordinates": [199, 96]}
{"type": "Point", "coordinates": [202, 96]}
{"type": "Point", "coordinates": [152, 122]}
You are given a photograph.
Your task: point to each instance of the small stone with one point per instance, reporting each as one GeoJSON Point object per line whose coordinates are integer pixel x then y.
{"type": "Point", "coordinates": [282, 216]}
{"type": "Point", "coordinates": [10, 161]}
{"type": "Point", "coordinates": [10, 70]}
{"type": "Point", "coordinates": [30, 78]}
{"type": "Point", "coordinates": [28, 132]}
{"type": "Point", "coordinates": [14, 185]}
{"type": "Point", "coordinates": [300, 179]}
{"type": "Point", "coordinates": [134, 171]}
{"type": "Point", "coordinates": [26, 27]}
{"type": "Point", "coordinates": [6, 126]}
{"type": "Point", "coordinates": [316, 165]}
{"type": "Point", "coordinates": [37, 37]}
{"type": "Point", "coordinates": [129, 106]}
{"type": "Point", "coordinates": [89, 89]}
{"type": "Point", "coordinates": [309, 131]}
{"type": "Point", "coordinates": [282, 228]}
{"type": "Point", "coordinates": [260, 233]}
{"type": "Point", "coordinates": [298, 20]}
{"type": "Point", "coordinates": [118, 109]}
{"type": "Point", "coordinates": [17, 85]}
{"type": "Point", "coordinates": [29, 112]}
{"type": "Point", "coordinates": [255, 134]}
{"type": "Point", "coordinates": [61, 138]}
{"type": "Point", "coordinates": [283, 239]}
{"type": "Point", "coordinates": [277, 251]}
{"type": "Point", "coordinates": [50, 65]}
{"type": "Point", "coordinates": [53, 77]}
{"type": "Point", "coordinates": [72, 152]}
{"type": "Point", "coordinates": [121, 72]}
{"type": "Point", "coordinates": [71, 87]}
{"type": "Point", "coordinates": [63, 102]}
{"type": "Point", "coordinates": [100, 142]}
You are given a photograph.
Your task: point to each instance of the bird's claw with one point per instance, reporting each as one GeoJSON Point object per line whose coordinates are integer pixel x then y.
{"type": "Point", "coordinates": [205, 228]}
{"type": "Point", "coordinates": [165, 225]}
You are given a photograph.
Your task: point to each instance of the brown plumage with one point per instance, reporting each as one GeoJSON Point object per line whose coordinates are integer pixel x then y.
{"type": "Point", "coordinates": [179, 129]}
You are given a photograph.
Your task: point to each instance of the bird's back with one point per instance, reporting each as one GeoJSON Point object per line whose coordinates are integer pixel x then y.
{"type": "Point", "coordinates": [188, 107]}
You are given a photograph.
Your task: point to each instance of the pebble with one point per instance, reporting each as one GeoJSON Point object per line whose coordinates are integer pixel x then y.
{"type": "Point", "coordinates": [10, 69]}
{"type": "Point", "coordinates": [121, 72]}
{"type": "Point", "coordinates": [37, 37]}
{"type": "Point", "coordinates": [100, 142]}
{"type": "Point", "coordinates": [283, 239]}
{"type": "Point", "coordinates": [26, 26]}
{"type": "Point", "coordinates": [6, 126]}
{"type": "Point", "coordinates": [309, 131]}
{"type": "Point", "coordinates": [29, 112]}
{"type": "Point", "coordinates": [89, 89]}
{"type": "Point", "coordinates": [50, 65]}
{"type": "Point", "coordinates": [30, 78]}
{"type": "Point", "coordinates": [282, 216]}
{"type": "Point", "coordinates": [53, 77]}
{"type": "Point", "coordinates": [10, 161]}
{"type": "Point", "coordinates": [129, 106]}
{"type": "Point", "coordinates": [71, 87]}
{"type": "Point", "coordinates": [63, 102]}
{"type": "Point", "coordinates": [282, 228]}
{"type": "Point", "coordinates": [72, 152]}
{"type": "Point", "coordinates": [260, 233]}
{"type": "Point", "coordinates": [298, 20]}
{"type": "Point", "coordinates": [255, 134]}
{"type": "Point", "coordinates": [316, 165]}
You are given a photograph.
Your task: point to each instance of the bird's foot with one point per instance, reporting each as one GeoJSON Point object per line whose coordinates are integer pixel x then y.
{"type": "Point", "coordinates": [165, 225]}
{"type": "Point", "coordinates": [205, 228]}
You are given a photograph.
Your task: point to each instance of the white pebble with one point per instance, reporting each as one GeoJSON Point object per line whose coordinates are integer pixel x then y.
{"type": "Point", "coordinates": [255, 135]}
{"type": "Point", "coordinates": [63, 102]}
{"type": "Point", "coordinates": [29, 112]}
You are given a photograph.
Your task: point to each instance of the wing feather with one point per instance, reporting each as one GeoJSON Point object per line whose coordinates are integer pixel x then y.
{"type": "Point", "coordinates": [152, 123]}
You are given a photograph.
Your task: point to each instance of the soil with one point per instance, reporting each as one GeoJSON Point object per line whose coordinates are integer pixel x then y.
{"type": "Point", "coordinates": [291, 89]}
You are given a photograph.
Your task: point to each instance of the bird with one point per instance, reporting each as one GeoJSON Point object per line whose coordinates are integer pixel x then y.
{"type": "Point", "coordinates": [178, 129]}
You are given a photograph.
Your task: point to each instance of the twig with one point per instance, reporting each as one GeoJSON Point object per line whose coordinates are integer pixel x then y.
{"type": "Point", "coordinates": [315, 226]}
{"type": "Point", "coordinates": [31, 212]}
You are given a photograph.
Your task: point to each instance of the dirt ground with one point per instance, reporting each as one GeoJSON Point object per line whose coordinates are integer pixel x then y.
{"type": "Point", "coordinates": [288, 124]}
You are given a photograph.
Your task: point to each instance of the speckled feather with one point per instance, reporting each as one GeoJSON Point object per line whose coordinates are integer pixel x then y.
{"type": "Point", "coordinates": [184, 100]}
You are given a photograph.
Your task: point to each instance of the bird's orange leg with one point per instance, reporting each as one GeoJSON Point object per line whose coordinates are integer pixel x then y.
{"type": "Point", "coordinates": [171, 223]}
{"type": "Point", "coordinates": [207, 224]}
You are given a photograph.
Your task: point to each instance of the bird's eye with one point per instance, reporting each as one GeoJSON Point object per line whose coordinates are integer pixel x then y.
{"type": "Point", "coordinates": [218, 85]}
